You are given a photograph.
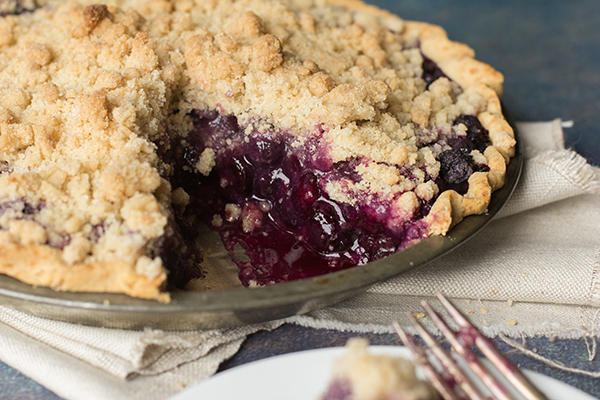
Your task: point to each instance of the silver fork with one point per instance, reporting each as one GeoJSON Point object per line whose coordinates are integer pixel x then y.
{"type": "Point", "coordinates": [451, 375]}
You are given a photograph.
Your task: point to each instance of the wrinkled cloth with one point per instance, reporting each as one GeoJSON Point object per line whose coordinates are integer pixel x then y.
{"type": "Point", "coordinates": [534, 270]}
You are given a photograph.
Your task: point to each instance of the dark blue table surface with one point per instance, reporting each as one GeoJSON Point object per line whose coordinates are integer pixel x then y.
{"type": "Point", "coordinates": [549, 52]}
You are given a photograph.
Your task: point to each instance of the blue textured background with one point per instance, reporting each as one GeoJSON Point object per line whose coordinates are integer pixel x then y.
{"type": "Point", "coordinates": [549, 52]}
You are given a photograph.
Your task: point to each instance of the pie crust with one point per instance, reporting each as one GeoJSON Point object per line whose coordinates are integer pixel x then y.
{"type": "Point", "coordinates": [94, 96]}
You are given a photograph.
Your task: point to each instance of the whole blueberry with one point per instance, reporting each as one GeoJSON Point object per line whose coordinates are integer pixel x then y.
{"type": "Point", "coordinates": [456, 167]}
{"type": "Point", "coordinates": [477, 136]}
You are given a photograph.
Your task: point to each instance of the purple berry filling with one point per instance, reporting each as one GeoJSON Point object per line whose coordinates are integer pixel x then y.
{"type": "Point", "coordinates": [27, 211]}
{"type": "Point", "coordinates": [5, 168]}
{"type": "Point", "coordinates": [22, 206]}
{"type": "Point", "coordinates": [16, 7]}
{"type": "Point", "coordinates": [178, 252]}
{"type": "Point", "coordinates": [431, 71]}
{"type": "Point", "coordinates": [267, 195]}
{"type": "Point", "coordinates": [338, 389]}
{"type": "Point", "coordinates": [477, 137]}
{"type": "Point", "coordinates": [456, 165]}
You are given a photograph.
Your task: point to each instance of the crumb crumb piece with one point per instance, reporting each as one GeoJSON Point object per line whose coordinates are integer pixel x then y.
{"type": "Point", "coordinates": [470, 311]}
{"type": "Point", "coordinates": [483, 311]}
{"type": "Point", "coordinates": [151, 268]}
{"type": "Point", "coordinates": [92, 15]}
{"type": "Point", "coordinates": [418, 315]}
{"type": "Point", "coordinates": [266, 53]}
{"type": "Point", "coordinates": [510, 302]}
{"type": "Point", "coordinates": [206, 162]}
{"type": "Point", "coordinates": [180, 197]}
{"type": "Point", "coordinates": [181, 384]}
{"type": "Point", "coordinates": [76, 251]}
{"type": "Point", "coordinates": [106, 302]}
{"type": "Point", "coordinates": [535, 350]}
{"type": "Point", "coordinates": [252, 218]}
{"type": "Point", "coordinates": [217, 221]}
{"type": "Point", "coordinates": [512, 322]}
{"type": "Point", "coordinates": [232, 212]}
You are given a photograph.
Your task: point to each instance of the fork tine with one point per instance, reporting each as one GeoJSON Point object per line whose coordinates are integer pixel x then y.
{"type": "Point", "coordinates": [509, 370]}
{"type": "Point", "coordinates": [451, 367]}
{"type": "Point", "coordinates": [421, 359]}
{"type": "Point", "coordinates": [471, 359]}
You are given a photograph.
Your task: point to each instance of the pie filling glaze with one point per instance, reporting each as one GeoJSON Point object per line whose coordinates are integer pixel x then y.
{"type": "Point", "coordinates": [312, 137]}
{"type": "Point", "coordinates": [270, 197]}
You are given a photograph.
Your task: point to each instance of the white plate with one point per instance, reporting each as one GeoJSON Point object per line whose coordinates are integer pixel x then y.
{"type": "Point", "coordinates": [304, 376]}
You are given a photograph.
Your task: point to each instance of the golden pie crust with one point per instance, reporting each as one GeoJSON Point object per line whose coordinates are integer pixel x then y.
{"type": "Point", "coordinates": [88, 92]}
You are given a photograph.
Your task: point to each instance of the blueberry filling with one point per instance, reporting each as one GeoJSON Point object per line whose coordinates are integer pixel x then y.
{"type": "Point", "coordinates": [178, 252]}
{"type": "Point", "coordinates": [16, 7]}
{"type": "Point", "coordinates": [266, 194]}
{"type": "Point", "coordinates": [456, 165]}
{"type": "Point", "coordinates": [431, 71]}
{"type": "Point", "coordinates": [23, 207]}
{"type": "Point", "coordinates": [477, 137]}
{"type": "Point", "coordinates": [23, 210]}
{"type": "Point", "coordinates": [5, 168]}
{"type": "Point", "coordinates": [338, 389]}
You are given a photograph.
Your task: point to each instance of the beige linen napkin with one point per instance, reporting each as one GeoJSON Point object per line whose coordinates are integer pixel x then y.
{"type": "Point", "coordinates": [533, 270]}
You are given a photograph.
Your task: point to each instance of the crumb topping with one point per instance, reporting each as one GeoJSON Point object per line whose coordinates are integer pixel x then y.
{"type": "Point", "coordinates": [79, 112]}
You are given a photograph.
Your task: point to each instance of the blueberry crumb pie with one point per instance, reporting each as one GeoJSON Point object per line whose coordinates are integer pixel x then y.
{"type": "Point", "coordinates": [315, 135]}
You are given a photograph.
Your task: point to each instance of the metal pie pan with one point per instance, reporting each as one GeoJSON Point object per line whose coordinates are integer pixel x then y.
{"type": "Point", "coordinates": [191, 310]}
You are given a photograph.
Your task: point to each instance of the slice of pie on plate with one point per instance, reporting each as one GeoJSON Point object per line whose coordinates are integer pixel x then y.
{"type": "Point", "coordinates": [360, 375]}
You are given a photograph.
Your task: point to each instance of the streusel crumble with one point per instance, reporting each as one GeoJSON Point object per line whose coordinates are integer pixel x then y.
{"type": "Point", "coordinates": [315, 135]}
